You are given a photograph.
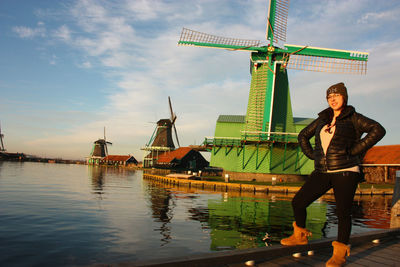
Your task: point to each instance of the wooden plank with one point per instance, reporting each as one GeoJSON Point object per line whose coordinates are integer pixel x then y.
{"type": "Point", "coordinates": [282, 255]}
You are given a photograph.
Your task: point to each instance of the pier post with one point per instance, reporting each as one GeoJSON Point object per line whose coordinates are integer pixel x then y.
{"type": "Point", "coordinates": [395, 212]}
{"type": "Point", "coordinates": [226, 178]}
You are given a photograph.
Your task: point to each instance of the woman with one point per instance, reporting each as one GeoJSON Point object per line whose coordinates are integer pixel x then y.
{"type": "Point", "coordinates": [337, 154]}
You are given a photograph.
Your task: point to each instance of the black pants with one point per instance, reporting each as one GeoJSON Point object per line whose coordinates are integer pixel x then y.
{"type": "Point", "coordinates": [344, 186]}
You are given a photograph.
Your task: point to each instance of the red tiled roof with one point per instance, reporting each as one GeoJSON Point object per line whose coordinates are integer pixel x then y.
{"type": "Point", "coordinates": [117, 157]}
{"type": "Point", "coordinates": [383, 155]}
{"type": "Point", "coordinates": [169, 156]}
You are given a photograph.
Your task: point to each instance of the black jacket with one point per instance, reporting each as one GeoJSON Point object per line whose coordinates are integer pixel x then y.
{"type": "Point", "coordinates": [346, 148]}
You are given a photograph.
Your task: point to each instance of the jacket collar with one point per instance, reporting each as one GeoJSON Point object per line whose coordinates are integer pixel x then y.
{"type": "Point", "coordinates": [327, 113]}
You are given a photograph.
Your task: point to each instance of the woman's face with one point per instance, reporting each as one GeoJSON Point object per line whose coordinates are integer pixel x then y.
{"type": "Point", "coordinates": [336, 101]}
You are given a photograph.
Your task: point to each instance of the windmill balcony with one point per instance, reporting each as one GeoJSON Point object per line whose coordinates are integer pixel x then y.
{"type": "Point", "coordinates": [259, 136]}
{"type": "Point", "coordinates": [249, 137]}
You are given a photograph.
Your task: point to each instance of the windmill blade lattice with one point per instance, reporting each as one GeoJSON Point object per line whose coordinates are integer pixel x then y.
{"type": "Point", "coordinates": [325, 60]}
{"type": "Point", "coordinates": [173, 116]}
{"type": "Point", "coordinates": [277, 20]}
{"type": "Point", "coordinates": [176, 135]}
{"type": "Point", "coordinates": [190, 37]}
{"type": "Point", "coordinates": [326, 64]}
{"type": "Point", "coordinates": [173, 119]}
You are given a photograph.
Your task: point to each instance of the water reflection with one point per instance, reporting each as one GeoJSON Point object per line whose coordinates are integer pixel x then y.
{"type": "Point", "coordinates": [371, 211]}
{"type": "Point", "coordinates": [96, 173]}
{"type": "Point", "coordinates": [241, 220]}
{"type": "Point", "coordinates": [100, 174]}
{"type": "Point", "coordinates": [161, 205]}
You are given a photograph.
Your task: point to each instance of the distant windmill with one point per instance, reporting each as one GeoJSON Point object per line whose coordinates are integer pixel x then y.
{"type": "Point", "coordinates": [100, 147]}
{"type": "Point", "coordinates": [161, 140]}
{"type": "Point", "coordinates": [162, 135]}
{"type": "Point", "coordinates": [1, 141]}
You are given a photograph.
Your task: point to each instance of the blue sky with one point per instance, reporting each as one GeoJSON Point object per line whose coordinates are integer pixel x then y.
{"type": "Point", "coordinates": [69, 68]}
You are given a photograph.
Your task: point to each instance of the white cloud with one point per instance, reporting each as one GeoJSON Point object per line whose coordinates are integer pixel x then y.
{"type": "Point", "coordinates": [27, 32]}
{"type": "Point", "coordinates": [90, 14]}
{"type": "Point", "coordinates": [380, 17]}
{"type": "Point", "coordinates": [63, 33]}
{"type": "Point", "coordinates": [86, 65]}
{"type": "Point", "coordinates": [147, 9]}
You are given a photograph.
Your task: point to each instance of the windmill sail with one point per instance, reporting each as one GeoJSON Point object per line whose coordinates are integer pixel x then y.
{"type": "Point", "coordinates": [326, 60]}
{"type": "Point", "coordinates": [277, 20]}
{"type": "Point", "coordinates": [106, 142]}
{"type": "Point", "coordinates": [195, 38]}
{"type": "Point", "coordinates": [176, 136]}
{"type": "Point", "coordinates": [173, 119]}
{"type": "Point", "coordinates": [173, 116]}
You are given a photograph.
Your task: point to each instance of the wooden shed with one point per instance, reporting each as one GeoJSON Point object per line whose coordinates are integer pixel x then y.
{"type": "Point", "coordinates": [381, 163]}
{"type": "Point", "coordinates": [119, 160]}
{"type": "Point", "coordinates": [182, 158]}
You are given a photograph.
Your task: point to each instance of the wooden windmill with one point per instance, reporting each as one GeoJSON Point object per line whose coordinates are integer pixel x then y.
{"type": "Point", "coordinates": [269, 123]}
{"type": "Point", "coordinates": [161, 140]}
{"type": "Point", "coordinates": [99, 149]}
{"type": "Point", "coordinates": [2, 149]}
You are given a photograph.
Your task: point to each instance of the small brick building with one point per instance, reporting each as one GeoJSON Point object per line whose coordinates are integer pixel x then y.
{"type": "Point", "coordinates": [381, 163]}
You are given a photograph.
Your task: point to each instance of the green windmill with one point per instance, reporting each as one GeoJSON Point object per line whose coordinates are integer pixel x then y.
{"type": "Point", "coordinates": [265, 140]}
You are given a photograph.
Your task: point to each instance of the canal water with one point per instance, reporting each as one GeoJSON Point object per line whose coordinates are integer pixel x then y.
{"type": "Point", "coordinates": [76, 215]}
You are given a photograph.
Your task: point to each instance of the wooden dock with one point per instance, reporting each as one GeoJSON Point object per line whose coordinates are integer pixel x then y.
{"type": "Point", "coordinates": [238, 187]}
{"type": "Point", "coordinates": [385, 251]}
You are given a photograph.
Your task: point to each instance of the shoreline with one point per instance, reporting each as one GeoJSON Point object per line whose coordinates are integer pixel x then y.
{"type": "Point", "coordinates": [238, 187]}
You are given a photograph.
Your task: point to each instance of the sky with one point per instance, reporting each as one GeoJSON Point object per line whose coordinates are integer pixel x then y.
{"type": "Point", "coordinates": [70, 68]}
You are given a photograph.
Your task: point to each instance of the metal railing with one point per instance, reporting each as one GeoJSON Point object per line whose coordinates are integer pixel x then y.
{"type": "Point", "coordinates": [251, 136]}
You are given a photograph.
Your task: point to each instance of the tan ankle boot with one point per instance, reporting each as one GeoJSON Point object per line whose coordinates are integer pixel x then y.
{"type": "Point", "coordinates": [340, 251]}
{"type": "Point", "coordinates": [299, 236]}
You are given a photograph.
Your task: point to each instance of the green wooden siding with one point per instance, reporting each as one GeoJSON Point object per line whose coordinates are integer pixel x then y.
{"type": "Point", "coordinates": [280, 158]}
{"type": "Point", "coordinates": [228, 129]}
